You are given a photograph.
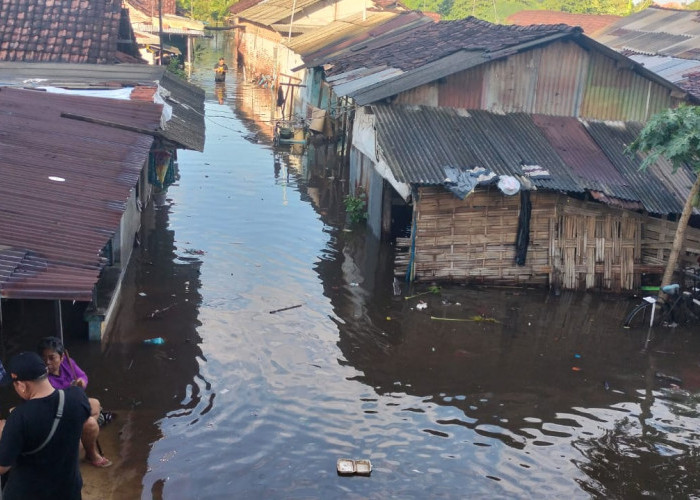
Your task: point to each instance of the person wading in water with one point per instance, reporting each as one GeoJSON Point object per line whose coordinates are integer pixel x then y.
{"type": "Point", "coordinates": [220, 71]}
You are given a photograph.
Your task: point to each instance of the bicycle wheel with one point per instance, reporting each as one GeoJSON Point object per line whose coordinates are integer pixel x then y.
{"type": "Point", "coordinates": [640, 316]}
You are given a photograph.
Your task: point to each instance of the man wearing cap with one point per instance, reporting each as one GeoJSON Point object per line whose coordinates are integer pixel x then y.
{"type": "Point", "coordinates": [40, 441]}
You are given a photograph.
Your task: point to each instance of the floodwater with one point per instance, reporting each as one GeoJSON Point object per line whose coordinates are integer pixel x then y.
{"type": "Point", "coordinates": [287, 349]}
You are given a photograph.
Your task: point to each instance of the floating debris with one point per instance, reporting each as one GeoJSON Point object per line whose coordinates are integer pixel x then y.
{"type": "Point", "coordinates": [349, 467]}
{"type": "Point", "coordinates": [285, 309]}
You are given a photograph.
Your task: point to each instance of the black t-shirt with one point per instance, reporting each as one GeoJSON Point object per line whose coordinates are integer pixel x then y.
{"type": "Point", "coordinates": [220, 76]}
{"type": "Point", "coordinates": [53, 472]}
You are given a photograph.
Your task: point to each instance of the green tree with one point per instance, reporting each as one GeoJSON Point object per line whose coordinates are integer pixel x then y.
{"type": "Point", "coordinates": [675, 135]}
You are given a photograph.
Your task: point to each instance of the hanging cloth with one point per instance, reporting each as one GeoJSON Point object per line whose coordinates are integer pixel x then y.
{"type": "Point", "coordinates": [523, 236]}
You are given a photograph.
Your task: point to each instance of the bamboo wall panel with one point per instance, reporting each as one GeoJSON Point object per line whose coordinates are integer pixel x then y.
{"type": "Point", "coordinates": [573, 244]}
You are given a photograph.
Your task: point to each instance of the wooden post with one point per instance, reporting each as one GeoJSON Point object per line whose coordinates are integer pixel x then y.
{"type": "Point", "coordinates": [160, 31]}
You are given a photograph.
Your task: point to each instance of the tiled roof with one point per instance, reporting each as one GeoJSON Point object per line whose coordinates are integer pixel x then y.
{"type": "Point", "coordinates": [75, 31]}
{"type": "Point", "coordinates": [185, 128]}
{"type": "Point", "coordinates": [590, 23]}
{"type": "Point", "coordinates": [429, 42]}
{"type": "Point", "coordinates": [417, 142]}
{"type": "Point", "coordinates": [656, 31]}
{"type": "Point", "coordinates": [65, 184]}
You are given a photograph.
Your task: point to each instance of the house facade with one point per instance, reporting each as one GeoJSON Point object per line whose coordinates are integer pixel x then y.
{"type": "Point", "coordinates": [129, 118]}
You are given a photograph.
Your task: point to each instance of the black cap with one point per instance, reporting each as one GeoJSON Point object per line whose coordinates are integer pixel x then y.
{"type": "Point", "coordinates": [26, 366]}
{"type": "Point", "coordinates": [5, 378]}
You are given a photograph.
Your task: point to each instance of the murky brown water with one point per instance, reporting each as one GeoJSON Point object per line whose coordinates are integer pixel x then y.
{"type": "Point", "coordinates": [553, 399]}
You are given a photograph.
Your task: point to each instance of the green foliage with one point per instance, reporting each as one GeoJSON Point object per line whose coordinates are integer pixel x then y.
{"type": "Point", "coordinates": [174, 67]}
{"type": "Point", "coordinates": [673, 134]}
{"type": "Point", "coordinates": [206, 10]}
{"type": "Point", "coordinates": [356, 207]}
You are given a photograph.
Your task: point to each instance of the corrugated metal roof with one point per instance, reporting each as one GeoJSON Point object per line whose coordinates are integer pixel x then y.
{"type": "Point", "coordinates": [64, 188]}
{"type": "Point", "coordinates": [568, 137]}
{"type": "Point", "coordinates": [186, 128]}
{"type": "Point", "coordinates": [273, 11]}
{"type": "Point", "coordinates": [653, 191]}
{"type": "Point", "coordinates": [417, 142]}
{"type": "Point", "coordinates": [672, 69]}
{"type": "Point", "coordinates": [655, 31]}
{"type": "Point", "coordinates": [336, 31]}
{"type": "Point", "coordinates": [668, 190]}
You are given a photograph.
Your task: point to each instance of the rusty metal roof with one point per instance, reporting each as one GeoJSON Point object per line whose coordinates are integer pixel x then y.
{"type": "Point", "coordinates": [185, 128]}
{"type": "Point", "coordinates": [65, 184]}
{"type": "Point", "coordinates": [69, 31]}
{"type": "Point", "coordinates": [656, 31]}
{"type": "Point", "coordinates": [417, 142]}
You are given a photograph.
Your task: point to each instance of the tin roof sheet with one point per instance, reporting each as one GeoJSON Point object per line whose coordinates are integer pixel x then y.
{"type": "Point", "coordinates": [185, 128]}
{"type": "Point", "coordinates": [75, 31]}
{"type": "Point", "coordinates": [339, 30]}
{"type": "Point", "coordinates": [417, 142]}
{"type": "Point", "coordinates": [271, 12]}
{"type": "Point", "coordinates": [64, 188]}
{"type": "Point", "coordinates": [655, 31]}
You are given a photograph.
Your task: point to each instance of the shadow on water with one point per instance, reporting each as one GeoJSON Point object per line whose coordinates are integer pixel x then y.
{"type": "Point", "coordinates": [287, 348]}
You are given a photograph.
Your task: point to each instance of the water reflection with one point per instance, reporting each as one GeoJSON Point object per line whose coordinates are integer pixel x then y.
{"type": "Point", "coordinates": [292, 351]}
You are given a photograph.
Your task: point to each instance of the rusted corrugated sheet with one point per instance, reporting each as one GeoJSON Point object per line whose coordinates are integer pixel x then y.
{"type": "Point", "coordinates": [463, 89]}
{"type": "Point", "coordinates": [588, 162]}
{"type": "Point", "coordinates": [65, 183]}
{"type": "Point", "coordinates": [611, 94]}
{"type": "Point", "coordinates": [185, 128]}
{"type": "Point", "coordinates": [660, 190]}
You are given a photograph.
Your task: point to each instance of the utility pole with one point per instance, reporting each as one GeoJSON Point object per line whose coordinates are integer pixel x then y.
{"type": "Point", "coordinates": [160, 31]}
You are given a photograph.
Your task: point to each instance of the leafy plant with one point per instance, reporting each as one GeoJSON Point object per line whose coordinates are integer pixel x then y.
{"type": "Point", "coordinates": [356, 207]}
{"type": "Point", "coordinates": [174, 67]}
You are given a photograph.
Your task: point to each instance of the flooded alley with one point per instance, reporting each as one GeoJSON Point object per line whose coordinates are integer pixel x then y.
{"type": "Point", "coordinates": [287, 347]}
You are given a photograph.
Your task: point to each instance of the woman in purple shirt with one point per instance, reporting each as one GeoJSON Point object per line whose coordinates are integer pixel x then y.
{"type": "Point", "coordinates": [64, 372]}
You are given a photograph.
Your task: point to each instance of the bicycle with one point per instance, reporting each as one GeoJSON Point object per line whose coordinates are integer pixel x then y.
{"type": "Point", "coordinates": [679, 307]}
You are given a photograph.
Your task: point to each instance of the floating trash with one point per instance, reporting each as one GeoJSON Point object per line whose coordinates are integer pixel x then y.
{"type": "Point", "coordinates": [349, 467]}
{"type": "Point", "coordinates": [156, 341]}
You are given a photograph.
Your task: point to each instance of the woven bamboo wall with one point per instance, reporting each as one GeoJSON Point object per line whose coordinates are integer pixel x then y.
{"type": "Point", "coordinates": [573, 244]}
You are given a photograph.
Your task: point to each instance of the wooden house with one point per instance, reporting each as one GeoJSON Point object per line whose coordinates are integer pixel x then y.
{"type": "Point", "coordinates": [595, 221]}
{"type": "Point", "coordinates": [67, 230]}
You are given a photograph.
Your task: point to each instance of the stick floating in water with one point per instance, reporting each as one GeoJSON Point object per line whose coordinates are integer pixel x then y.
{"type": "Point", "coordinates": [285, 309]}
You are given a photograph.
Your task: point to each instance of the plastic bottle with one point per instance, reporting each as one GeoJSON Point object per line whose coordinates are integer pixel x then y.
{"type": "Point", "coordinates": [156, 340]}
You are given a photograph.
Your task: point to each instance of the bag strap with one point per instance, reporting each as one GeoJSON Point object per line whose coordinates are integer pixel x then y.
{"type": "Point", "coordinates": [59, 414]}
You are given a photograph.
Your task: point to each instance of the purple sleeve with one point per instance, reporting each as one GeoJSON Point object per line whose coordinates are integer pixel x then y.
{"type": "Point", "coordinates": [79, 373]}
{"type": "Point", "coordinates": [65, 375]}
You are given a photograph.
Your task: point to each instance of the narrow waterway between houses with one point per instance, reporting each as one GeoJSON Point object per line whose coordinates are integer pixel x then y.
{"type": "Point", "coordinates": [286, 349]}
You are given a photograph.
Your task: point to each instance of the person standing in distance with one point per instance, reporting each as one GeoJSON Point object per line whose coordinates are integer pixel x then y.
{"type": "Point", "coordinates": [40, 442]}
{"type": "Point", "coordinates": [220, 71]}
